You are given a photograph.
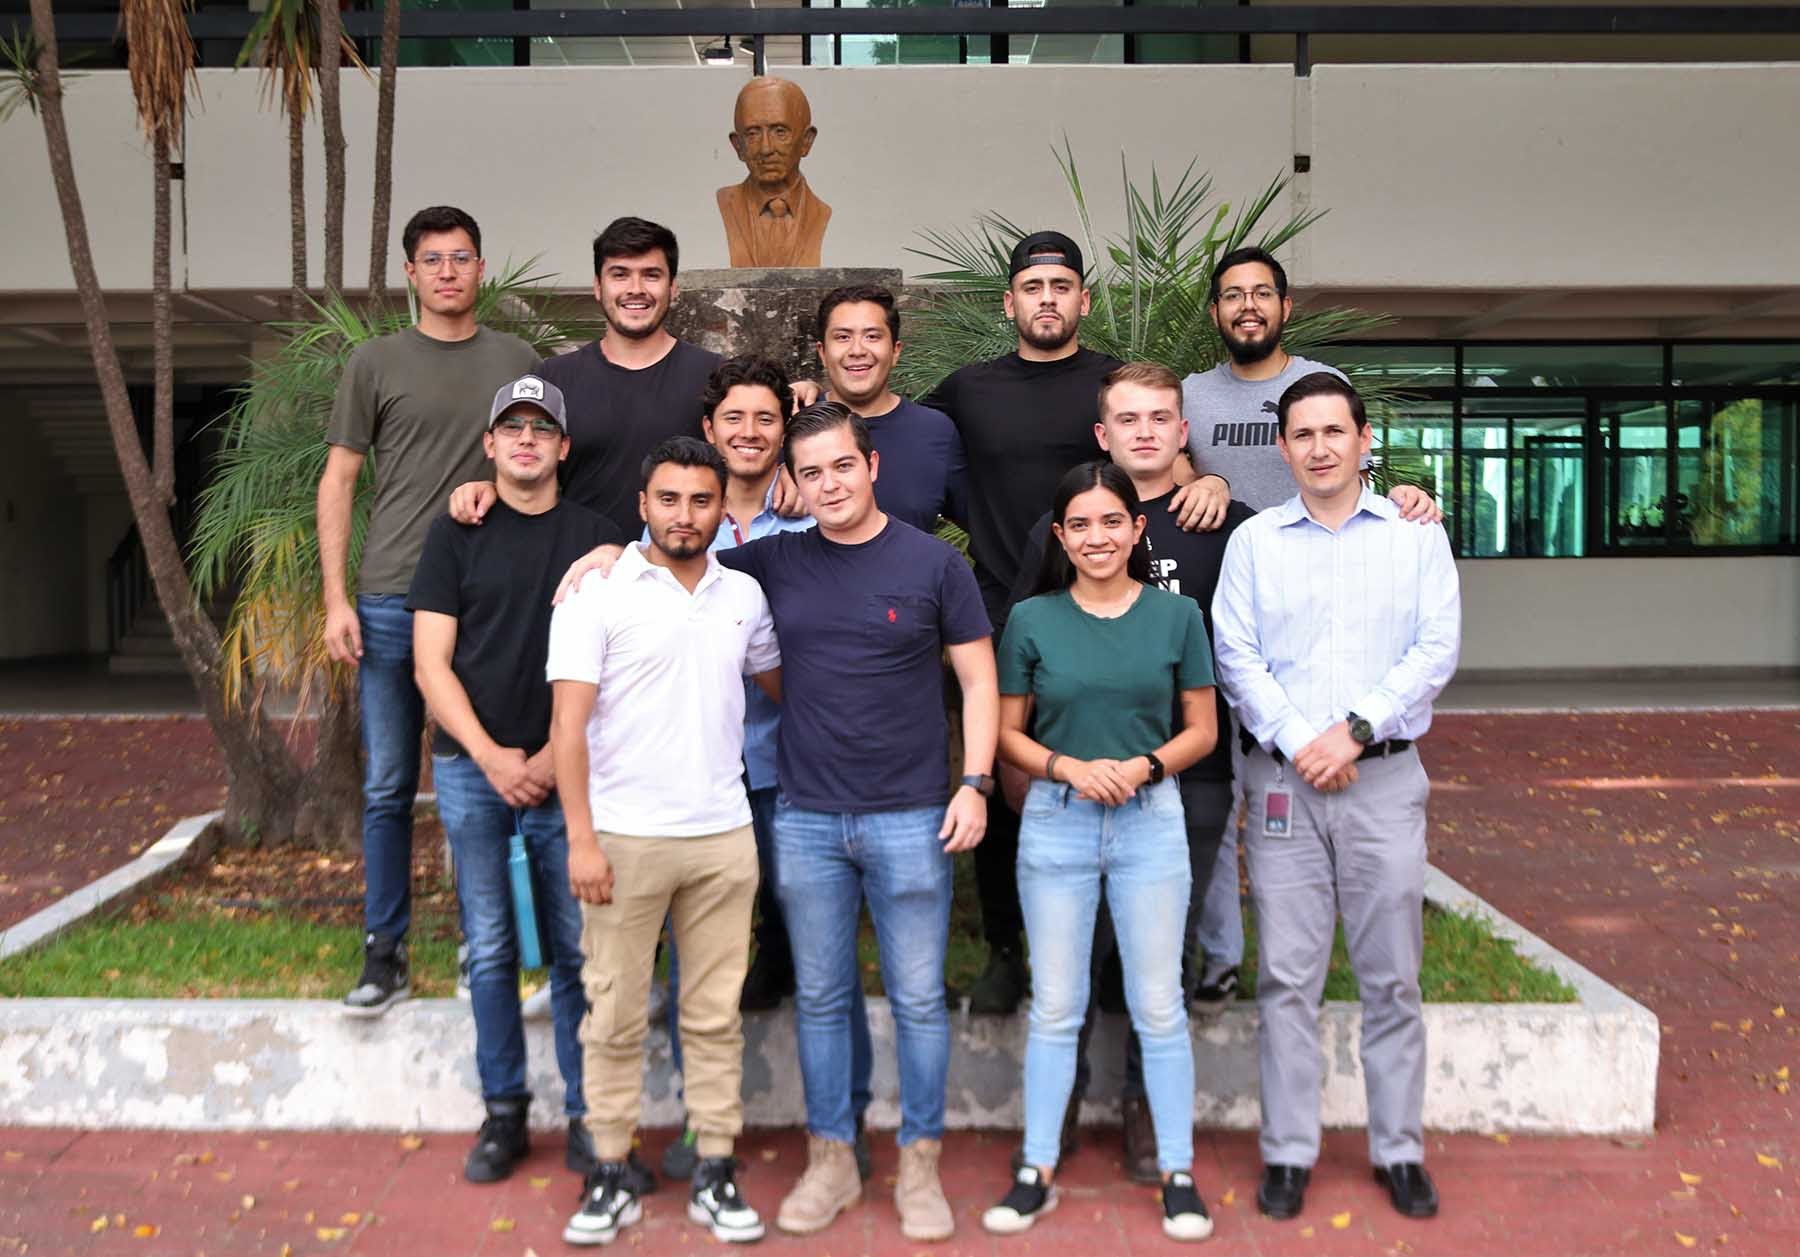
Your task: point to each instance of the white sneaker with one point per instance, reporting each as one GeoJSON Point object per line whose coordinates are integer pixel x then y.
{"type": "Point", "coordinates": [537, 1005]}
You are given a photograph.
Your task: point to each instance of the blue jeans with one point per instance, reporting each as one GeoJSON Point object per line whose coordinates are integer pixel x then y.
{"type": "Point", "coordinates": [862, 1053]}
{"type": "Point", "coordinates": [1067, 845]}
{"type": "Point", "coordinates": [829, 861]}
{"type": "Point", "coordinates": [393, 718]}
{"type": "Point", "coordinates": [480, 825]}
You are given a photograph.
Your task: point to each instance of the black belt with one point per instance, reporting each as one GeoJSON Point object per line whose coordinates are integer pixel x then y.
{"type": "Point", "coordinates": [1375, 750]}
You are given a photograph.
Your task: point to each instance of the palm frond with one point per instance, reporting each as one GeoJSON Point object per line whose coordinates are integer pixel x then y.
{"type": "Point", "coordinates": [1148, 281]}
{"type": "Point", "coordinates": [161, 65]}
{"type": "Point", "coordinates": [256, 530]}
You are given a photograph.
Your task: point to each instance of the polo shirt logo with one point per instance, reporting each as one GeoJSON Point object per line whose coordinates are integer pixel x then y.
{"type": "Point", "coordinates": [893, 616]}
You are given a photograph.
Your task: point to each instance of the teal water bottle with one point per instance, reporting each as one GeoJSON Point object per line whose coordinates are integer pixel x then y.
{"type": "Point", "coordinates": [518, 871]}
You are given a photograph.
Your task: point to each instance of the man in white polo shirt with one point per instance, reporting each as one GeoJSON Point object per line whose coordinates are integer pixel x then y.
{"type": "Point", "coordinates": [647, 735]}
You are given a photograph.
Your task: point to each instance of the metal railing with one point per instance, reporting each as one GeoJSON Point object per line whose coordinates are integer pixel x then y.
{"type": "Point", "coordinates": [1300, 22]}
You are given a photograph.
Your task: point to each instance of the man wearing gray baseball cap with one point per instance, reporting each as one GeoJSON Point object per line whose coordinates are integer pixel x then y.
{"type": "Point", "coordinates": [480, 600]}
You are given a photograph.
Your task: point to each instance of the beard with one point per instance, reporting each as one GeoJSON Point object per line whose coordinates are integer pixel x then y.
{"type": "Point", "coordinates": [1245, 350]}
{"type": "Point", "coordinates": [1046, 339]}
{"type": "Point", "coordinates": [639, 333]}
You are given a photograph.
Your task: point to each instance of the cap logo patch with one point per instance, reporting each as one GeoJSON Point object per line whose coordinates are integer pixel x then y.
{"type": "Point", "coordinates": [528, 390]}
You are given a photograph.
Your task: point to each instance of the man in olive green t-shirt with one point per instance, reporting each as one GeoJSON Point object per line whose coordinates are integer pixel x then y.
{"type": "Point", "coordinates": [419, 400]}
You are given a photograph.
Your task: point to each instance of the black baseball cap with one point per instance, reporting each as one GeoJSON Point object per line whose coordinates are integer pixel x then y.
{"type": "Point", "coordinates": [1046, 248]}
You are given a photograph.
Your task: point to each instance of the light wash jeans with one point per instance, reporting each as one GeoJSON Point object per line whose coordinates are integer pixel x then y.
{"type": "Point", "coordinates": [1067, 845]}
{"type": "Point", "coordinates": [828, 862]}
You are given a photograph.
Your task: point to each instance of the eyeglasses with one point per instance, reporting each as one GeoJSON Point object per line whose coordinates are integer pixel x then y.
{"type": "Point", "coordinates": [1262, 294]}
{"type": "Point", "coordinates": [541, 425]}
{"type": "Point", "coordinates": [461, 260]}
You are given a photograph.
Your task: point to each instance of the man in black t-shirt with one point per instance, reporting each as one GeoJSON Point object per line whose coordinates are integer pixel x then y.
{"type": "Point", "coordinates": [480, 600]}
{"type": "Point", "coordinates": [1025, 419]}
{"type": "Point", "coordinates": [628, 391]}
{"type": "Point", "coordinates": [1142, 429]}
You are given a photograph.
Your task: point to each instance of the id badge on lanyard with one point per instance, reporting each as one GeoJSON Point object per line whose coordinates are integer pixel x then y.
{"type": "Point", "coordinates": [1278, 808]}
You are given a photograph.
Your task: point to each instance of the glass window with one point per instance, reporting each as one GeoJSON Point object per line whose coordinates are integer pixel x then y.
{"type": "Point", "coordinates": [1701, 365]}
{"type": "Point", "coordinates": [1734, 472]}
{"type": "Point", "coordinates": [1634, 438]}
{"type": "Point", "coordinates": [1523, 485]}
{"type": "Point", "coordinates": [1562, 366]}
{"type": "Point", "coordinates": [1413, 446]}
{"type": "Point", "coordinates": [1398, 366]}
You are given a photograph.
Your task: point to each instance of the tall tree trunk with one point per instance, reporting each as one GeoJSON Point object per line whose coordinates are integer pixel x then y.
{"type": "Point", "coordinates": [331, 816]}
{"type": "Point", "coordinates": [331, 120]}
{"type": "Point", "coordinates": [264, 783]}
{"type": "Point", "coordinates": [297, 206]}
{"type": "Point", "coordinates": [162, 336]}
{"type": "Point", "coordinates": [384, 149]}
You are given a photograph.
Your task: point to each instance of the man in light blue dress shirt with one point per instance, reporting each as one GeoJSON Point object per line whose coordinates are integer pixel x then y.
{"type": "Point", "coordinates": [1336, 625]}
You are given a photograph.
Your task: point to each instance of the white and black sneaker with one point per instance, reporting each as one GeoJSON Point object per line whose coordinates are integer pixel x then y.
{"type": "Point", "coordinates": [1030, 1199]}
{"type": "Point", "coordinates": [385, 980]}
{"type": "Point", "coordinates": [1217, 989]}
{"type": "Point", "coordinates": [607, 1206]}
{"type": "Point", "coordinates": [715, 1203]}
{"type": "Point", "coordinates": [1184, 1213]}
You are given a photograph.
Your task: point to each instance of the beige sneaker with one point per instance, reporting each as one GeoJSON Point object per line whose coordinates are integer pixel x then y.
{"type": "Point", "coordinates": [919, 1197]}
{"type": "Point", "coordinates": [829, 1186]}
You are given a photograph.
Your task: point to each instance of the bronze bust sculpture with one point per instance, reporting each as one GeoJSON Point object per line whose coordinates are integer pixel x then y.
{"type": "Point", "coordinates": [773, 218]}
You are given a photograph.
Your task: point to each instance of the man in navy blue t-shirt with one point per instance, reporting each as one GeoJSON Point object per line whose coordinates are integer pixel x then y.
{"type": "Point", "coordinates": [922, 473]}
{"type": "Point", "coordinates": [865, 606]}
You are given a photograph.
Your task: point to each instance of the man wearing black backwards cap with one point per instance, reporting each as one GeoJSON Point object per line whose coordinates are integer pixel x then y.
{"type": "Point", "coordinates": [480, 600]}
{"type": "Point", "coordinates": [1025, 419]}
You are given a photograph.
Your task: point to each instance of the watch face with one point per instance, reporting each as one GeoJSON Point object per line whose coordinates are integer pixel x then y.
{"type": "Point", "coordinates": [1362, 731]}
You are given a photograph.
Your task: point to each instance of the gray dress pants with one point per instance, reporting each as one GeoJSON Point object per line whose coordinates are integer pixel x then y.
{"type": "Point", "coordinates": [1359, 854]}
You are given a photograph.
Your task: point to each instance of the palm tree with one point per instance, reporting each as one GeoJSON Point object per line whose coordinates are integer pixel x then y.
{"type": "Point", "coordinates": [384, 150]}
{"type": "Point", "coordinates": [331, 122]}
{"type": "Point", "coordinates": [161, 68]}
{"type": "Point", "coordinates": [1149, 284]}
{"type": "Point", "coordinates": [256, 524]}
{"type": "Point", "coordinates": [285, 42]}
{"type": "Point", "coordinates": [264, 783]}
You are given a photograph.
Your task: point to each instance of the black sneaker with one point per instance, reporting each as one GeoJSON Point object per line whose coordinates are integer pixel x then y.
{"type": "Point", "coordinates": [1216, 991]}
{"type": "Point", "coordinates": [1001, 986]}
{"type": "Point", "coordinates": [1029, 1199]}
{"type": "Point", "coordinates": [769, 981]}
{"type": "Point", "coordinates": [680, 1157]}
{"type": "Point", "coordinates": [579, 1155]}
{"type": "Point", "coordinates": [608, 1205]}
{"type": "Point", "coordinates": [503, 1142]}
{"type": "Point", "coordinates": [859, 1148]}
{"type": "Point", "coordinates": [1184, 1213]}
{"type": "Point", "coordinates": [385, 978]}
{"type": "Point", "coordinates": [715, 1203]}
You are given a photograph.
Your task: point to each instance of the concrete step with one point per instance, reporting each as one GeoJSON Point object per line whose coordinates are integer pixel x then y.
{"type": "Point", "coordinates": [168, 665]}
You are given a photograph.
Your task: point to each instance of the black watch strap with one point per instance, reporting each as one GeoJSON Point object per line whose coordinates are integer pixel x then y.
{"type": "Point", "coordinates": [1157, 771]}
{"type": "Point", "coordinates": [980, 783]}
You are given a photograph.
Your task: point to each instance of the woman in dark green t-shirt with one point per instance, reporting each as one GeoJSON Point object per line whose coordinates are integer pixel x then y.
{"type": "Point", "coordinates": [1099, 658]}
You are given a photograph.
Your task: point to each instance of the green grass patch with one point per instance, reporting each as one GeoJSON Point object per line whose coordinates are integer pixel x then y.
{"type": "Point", "coordinates": [1464, 963]}
{"type": "Point", "coordinates": [196, 938]}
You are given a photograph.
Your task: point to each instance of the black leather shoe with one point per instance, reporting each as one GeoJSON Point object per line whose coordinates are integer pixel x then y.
{"type": "Point", "coordinates": [1282, 1193]}
{"type": "Point", "coordinates": [1409, 1187]}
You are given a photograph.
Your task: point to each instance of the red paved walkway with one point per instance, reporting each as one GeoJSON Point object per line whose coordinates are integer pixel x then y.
{"type": "Point", "coordinates": [1684, 889]}
{"type": "Point", "coordinates": [81, 796]}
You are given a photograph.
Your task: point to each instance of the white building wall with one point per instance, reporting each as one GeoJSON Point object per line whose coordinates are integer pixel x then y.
{"type": "Point", "coordinates": [1434, 176]}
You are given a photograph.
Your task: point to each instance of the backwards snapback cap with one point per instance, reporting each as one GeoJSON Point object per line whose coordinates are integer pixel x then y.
{"type": "Point", "coordinates": [1046, 248]}
{"type": "Point", "coordinates": [535, 390]}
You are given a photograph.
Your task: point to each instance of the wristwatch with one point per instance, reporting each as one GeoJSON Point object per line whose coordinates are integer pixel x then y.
{"type": "Point", "coordinates": [1360, 730]}
{"type": "Point", "coordinates": [1157, 771]}
{"type": "Point", "coordinates": [980, 783]}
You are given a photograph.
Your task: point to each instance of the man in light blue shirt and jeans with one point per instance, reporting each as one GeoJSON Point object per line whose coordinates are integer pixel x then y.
{"type": "Point", "coordinates": [1336, 624]}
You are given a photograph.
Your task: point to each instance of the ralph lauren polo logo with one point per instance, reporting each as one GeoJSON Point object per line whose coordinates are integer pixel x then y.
{"type": "Point", "coordinates": [893, 616]}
